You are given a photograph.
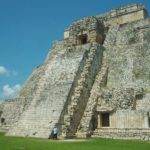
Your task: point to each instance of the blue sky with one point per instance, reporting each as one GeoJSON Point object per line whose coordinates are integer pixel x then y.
{"type": "Point", "coordinates": [29, 27]}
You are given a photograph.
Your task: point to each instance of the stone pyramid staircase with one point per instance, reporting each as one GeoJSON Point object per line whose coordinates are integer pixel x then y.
{"type": "Point", "coordinates": [84, 129]}
{"type": "Point", "coordinates": [81, 93]}
{"type": "Point", "coordinates": [50, 91]}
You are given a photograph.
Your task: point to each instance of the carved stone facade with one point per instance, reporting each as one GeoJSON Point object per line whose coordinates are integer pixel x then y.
{"type": "Point", "coordinates": [87, 30]}
{"type": "Point", "coordinates": [95, 82]}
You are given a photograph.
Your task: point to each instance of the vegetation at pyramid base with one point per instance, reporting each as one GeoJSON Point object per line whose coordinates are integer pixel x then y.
{"type": "Point", "coordinates": [17, 143]}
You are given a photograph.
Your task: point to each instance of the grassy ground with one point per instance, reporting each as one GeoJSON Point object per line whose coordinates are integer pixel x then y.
{"type": "Point", "coordinates": [16, 143]}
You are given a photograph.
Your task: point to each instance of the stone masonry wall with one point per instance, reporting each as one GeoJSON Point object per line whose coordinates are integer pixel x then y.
{"type": "Point", "coordinates": [131, 119]}
{"type": "Point", "coordinates": [15, 107]}
{"type": "Point", "coordinates": [125, 14]}
{"type": "Point", "coordinates": [123, 133]}
{"type": "Point", "coordinates": [127, 56]}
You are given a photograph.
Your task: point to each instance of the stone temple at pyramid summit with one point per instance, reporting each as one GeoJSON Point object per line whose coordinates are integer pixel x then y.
{"type": "Point", "coordinates": [93, 83]}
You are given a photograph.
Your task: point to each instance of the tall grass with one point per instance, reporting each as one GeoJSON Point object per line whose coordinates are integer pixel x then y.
{"type": "Point", "coordinates": [17, 143]}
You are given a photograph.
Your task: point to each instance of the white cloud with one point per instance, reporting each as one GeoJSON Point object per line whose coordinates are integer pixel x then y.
{"type": "Point", "coordinates": [10, 91]}
{"type": "Point", "coordinates": [7, 72]}
{"type": "Point", "coordinates": [3, 70]}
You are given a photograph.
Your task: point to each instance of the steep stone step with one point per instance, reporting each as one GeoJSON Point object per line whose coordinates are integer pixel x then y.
{"type": "Point", "coordinates": [82, 91]}
{"type": "Point", "coordinates": [84, 128]}
{"type": "Point", "coordinates": [50, 93]}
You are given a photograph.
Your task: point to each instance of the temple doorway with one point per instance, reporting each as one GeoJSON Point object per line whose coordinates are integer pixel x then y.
{"type": "Point", "coordinates": [82, 39]}
{"type": "Point", "coordinates": [2, 121]}
{"type": "Point", "coordinates": [105, 119]}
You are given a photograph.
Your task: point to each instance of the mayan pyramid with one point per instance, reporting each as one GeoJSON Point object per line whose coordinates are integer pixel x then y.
{"type": "Point", "coordinates": [93, 83]}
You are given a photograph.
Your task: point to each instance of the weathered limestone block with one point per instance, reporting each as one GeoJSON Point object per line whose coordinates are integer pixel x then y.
{"type": "Point", "coordinates": [132, 119]}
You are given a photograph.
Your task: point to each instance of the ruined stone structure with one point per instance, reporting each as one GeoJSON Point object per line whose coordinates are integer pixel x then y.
{"type": "Point", "coordinates": [94, 83]}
